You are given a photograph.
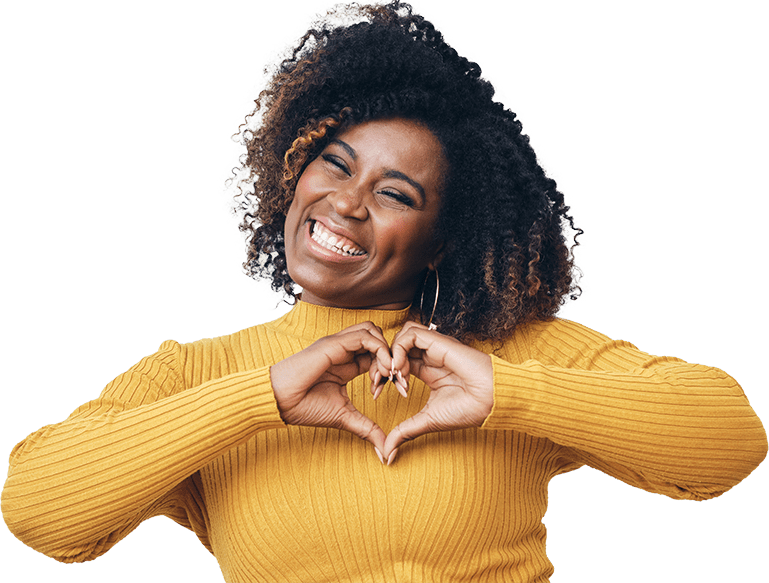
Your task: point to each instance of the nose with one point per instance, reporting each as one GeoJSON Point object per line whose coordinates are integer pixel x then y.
{"type": "Point", "coordinates": [349, 201]}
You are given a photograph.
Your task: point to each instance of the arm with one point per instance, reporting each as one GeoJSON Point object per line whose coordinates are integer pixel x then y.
{"type": "Point", "coordinates": [661, 424]}
{"type": "Point", "coordinates": [75, 488]}
{"type": "Point", "coordinates": [658, 423]}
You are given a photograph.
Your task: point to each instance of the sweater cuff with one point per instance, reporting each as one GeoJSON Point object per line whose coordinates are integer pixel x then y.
{"type": "Point", "coordinates": [265, 406]}
{"type": "Point", "coordinates": [506, 377]}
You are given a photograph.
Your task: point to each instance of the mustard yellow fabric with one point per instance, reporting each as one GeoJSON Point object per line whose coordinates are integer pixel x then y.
{"type": "Point", "coordinates": [192, 432]}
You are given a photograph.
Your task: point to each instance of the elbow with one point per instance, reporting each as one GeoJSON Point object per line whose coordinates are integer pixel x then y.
{"type": "Point", "coordinates": [754, 456]}
{"type": "Point", "coordinates": [721, 475]}
{"type": "Point", "coordinates": [18, 518]}
{"type": "Point", "coordinates": [730, 452]}
{"type": "Point", "coordinates": [752, 451]}
{"type": "Point", "coordinates": [39, 532]}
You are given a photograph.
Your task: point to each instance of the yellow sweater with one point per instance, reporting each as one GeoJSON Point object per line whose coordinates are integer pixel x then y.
{"type": "Point", "coordinates": [192, 432]}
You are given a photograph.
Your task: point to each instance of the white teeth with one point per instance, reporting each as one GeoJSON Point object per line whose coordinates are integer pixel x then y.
{"type": "Point", "coordinates": [325, 239]}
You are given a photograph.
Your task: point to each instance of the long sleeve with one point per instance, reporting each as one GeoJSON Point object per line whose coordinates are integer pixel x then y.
{"type": "Point", "coordinates": [658, 423]}
{"type": "Point", "coordinates": [75, 488]}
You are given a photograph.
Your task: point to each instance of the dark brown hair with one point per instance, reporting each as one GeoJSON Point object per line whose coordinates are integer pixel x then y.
{"type": "Point", "coordinates": [503, 221]}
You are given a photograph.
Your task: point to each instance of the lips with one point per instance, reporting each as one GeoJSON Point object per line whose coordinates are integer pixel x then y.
{"type": "Point", "coordinates": [334, 242]}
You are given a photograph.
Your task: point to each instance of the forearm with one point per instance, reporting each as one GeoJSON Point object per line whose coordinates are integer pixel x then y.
{"type": "Point", "coordinates": [74, 483]}
{"type": "Point", "coordinates": [683, 430]}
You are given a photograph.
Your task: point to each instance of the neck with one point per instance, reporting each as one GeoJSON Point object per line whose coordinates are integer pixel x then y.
{"type": "Point", "coordinates": [310, 298]}
{"type": "Point", "coordinates": [313, 321]}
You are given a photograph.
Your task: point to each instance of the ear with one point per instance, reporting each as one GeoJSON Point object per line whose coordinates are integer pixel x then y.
{"type": "Point", "coordinates": [437, 257]}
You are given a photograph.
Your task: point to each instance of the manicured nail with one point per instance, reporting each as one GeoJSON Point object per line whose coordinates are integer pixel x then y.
{"type": "Point", "coordinates": [392, 456]}
{"type": "Point", "coordinates": [375, 384]}
{"type": "Point", "coordinates": [378, 391]}
{"type": "Point", "coordinates": [401, 384]}
{"type": "Point", "coordinates": [379, 455]}
{"type": "Point", "coordinates": [401, 388]}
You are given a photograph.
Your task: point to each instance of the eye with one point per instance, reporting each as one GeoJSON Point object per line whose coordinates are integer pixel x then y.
{"type": "Point", "coordinates": [395, 198]}
{"type": "Point", "coordinates": [337, 162]}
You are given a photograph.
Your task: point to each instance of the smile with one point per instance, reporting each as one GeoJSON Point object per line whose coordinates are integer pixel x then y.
{"type": "Point", "coordinates": [333, 242]}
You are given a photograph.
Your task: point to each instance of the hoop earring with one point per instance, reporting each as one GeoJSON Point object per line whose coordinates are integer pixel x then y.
{"type": "Point", "coordinates": [430, 325]}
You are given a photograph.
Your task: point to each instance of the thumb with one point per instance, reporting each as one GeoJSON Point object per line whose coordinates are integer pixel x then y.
{"type": "Point", "coordinates": [409, 429]}
{"type": "Point", "coordinates": [358, 424]}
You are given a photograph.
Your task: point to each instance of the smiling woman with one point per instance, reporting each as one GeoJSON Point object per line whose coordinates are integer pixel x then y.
{"type": "Point", "coordinates": [376, 189]}
{"type": "Point", "coordinates": [345, 440]}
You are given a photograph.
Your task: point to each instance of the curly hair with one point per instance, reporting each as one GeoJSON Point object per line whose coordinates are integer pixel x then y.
{"type": "Point", "coordinates": [506, 259]}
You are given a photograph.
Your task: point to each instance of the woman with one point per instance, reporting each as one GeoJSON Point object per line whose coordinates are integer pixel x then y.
{"type": "Point", "coordinates": [322, 185]}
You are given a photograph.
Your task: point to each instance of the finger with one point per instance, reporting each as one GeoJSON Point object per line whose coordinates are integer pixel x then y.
{"type": "Point", "coordinates": [377, 380]}
{"type": "Point", "coordinates": [434, 348]}
{"type": "Point", "coordinates": [369, 327]}
{"type": "Point", "coordinates": [308, 365]}
{"type": "Point", "coordinates": [415, 366]}
{"type": "Point", "coordinates": [376, 331]}
{"type": "Point", "coordinates": [409, 429]}
{"type": "Point", "coordinates": [408, 345]}
{"type": "Point", "coordinates": [358, 424]}
{"type": "Point", "coordinates": [378, 347]}
{"type": "Point", "coordinates": [398, 380]}
{"type": "Point", "coordinates": [363, 344]}
{"type": "Point", "coordinates": [379, 375]}
{"type": "Point", "coordinates": [401, 383]}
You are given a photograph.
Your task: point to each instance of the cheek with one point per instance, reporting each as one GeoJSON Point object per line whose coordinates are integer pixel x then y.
{"type": "Point", "coordinates": [311, 182]}
{"type": "Point", "coordinates": [411, 241]}
{"type": "Point", "coordinates": [292, 222]}
{"type": "Point", "coordinates": [304, 195]}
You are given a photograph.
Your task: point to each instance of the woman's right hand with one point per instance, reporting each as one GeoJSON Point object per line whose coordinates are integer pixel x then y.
{"type": "Point", "coordinates": [310, 386]}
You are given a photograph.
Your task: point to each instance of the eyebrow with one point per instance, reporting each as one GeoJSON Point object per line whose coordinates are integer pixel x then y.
{"type": "Point", "coordinates": [389, 173]}
{"type": "Point", "coordinates": [401, 176]}
{"type": "Point", "coordinates": [346, 147]}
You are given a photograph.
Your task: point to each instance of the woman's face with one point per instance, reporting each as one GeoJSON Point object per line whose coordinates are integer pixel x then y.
{"type": "Point", "coordinates": [359, 232]}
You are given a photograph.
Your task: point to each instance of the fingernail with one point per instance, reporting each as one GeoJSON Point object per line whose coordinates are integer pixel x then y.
{"type": "Point", "coordinates": [402, 385]}
{"type": "Point", "coordinates": [392, 456]}
{"type": "Point", "coordinates": [378, 391]}
{"type": "Point", "coordinates": [401, 388]}
{"type": "Point", "coordinates": [379, 455]}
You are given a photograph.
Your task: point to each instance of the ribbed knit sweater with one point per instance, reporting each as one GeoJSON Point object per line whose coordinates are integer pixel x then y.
{"type": "Point", "coordinates": [193, 432]}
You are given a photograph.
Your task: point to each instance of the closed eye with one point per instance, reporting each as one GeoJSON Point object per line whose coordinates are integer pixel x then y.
{"type": "Point", "coordinates": [338, 162]}
{"type": "Point", "coordinates": [400, 197]}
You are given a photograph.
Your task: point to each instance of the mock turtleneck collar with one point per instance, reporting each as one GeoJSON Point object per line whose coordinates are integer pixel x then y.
{"type": "Point", "coordinates": [312, 321]}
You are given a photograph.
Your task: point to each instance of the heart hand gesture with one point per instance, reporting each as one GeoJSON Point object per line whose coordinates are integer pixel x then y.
{"type": "Point", "coordinates": [460, 379]}
{"type": "Point", "coordinates": [311, 386]}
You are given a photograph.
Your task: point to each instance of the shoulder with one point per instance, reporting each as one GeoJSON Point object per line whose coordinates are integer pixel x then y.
{"type": "Point", "coordinates": [242, 341]}
{"type": "Point", "coordinates": [562, 332]}
{"type": "Point", "coordinates": [557, 342]}
{"type": "Point", "coordinates": [246, 349]}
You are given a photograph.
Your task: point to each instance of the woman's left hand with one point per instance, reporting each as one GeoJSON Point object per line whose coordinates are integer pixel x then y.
{"type": "Point", "coordinates": [460, 379]}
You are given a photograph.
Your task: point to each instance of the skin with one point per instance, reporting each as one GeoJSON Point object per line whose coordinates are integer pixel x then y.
{"type": "Point", "coordinates": [377, 187]}
{"type": "Point", "coordinates": [378, 184]}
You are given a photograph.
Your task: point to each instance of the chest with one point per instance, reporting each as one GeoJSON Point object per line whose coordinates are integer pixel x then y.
{"type": "Point", "coordinates": [312, 500]}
